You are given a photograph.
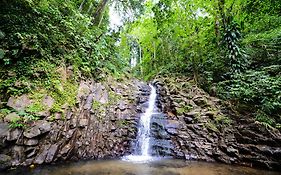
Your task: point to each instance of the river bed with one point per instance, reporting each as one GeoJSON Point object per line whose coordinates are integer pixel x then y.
{"type": "Point", "coordinates": [156, 167]}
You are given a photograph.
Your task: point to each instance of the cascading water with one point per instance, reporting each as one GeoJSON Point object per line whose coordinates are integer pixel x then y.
{"type": "Point", "coordinates": [144, 131]}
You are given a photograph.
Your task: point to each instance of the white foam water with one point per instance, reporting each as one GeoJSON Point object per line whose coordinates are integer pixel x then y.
{"type": "Point", "coordinates": [144, 132]}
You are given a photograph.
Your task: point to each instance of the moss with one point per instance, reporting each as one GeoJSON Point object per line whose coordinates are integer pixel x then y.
{"type": "Point", "coordinates": [184, 109]}
{"type": "Point", "coordinates": [221, 119]}
{"type": "Point", "coordinates": [36, 105]}
{"type": "Point", "coordinates": [122, 123]}
{"type": "Point", "coordinates": [113, 97]}
{"type": "Point", "coordinates": [64, 95]}
{"type": "Point", "coordinates": [211, 126]}
{"type": "Point", "coordinates": [4, 112]}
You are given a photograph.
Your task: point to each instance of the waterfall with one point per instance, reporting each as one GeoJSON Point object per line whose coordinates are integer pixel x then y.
{"type": "Point", "coordinates": [144, 131]}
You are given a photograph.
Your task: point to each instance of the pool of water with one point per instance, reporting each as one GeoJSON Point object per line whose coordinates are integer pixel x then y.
{"type": "Point", "coordinates": [155, 167]}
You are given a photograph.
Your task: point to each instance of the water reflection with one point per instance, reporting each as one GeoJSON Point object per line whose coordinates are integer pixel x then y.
{"type": "Point", "coordinates": [161, 167]}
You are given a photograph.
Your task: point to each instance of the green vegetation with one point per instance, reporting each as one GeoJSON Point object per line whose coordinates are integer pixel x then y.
{"type": "Point", "coordinates": [230, 47]}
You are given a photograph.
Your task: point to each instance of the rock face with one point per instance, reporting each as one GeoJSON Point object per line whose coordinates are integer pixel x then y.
{"type": "Point", "coordinates": [202, 127]}
{"type": "Point", "coordinates": [103, 124]}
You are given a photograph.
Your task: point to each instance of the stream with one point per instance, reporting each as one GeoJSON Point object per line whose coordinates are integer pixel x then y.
{"type": "Point", "coordinates": [156, 167]}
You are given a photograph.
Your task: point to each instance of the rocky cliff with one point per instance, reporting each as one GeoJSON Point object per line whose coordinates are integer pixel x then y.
{"type": "Point", "coordinates": [205, 128]}
{"type": "Point", "coordinates": [102, 124]}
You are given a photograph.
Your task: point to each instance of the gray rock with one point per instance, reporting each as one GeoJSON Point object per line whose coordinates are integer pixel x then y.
{"type": "Point", "coordinates": [44, 126]}
{"type": "Point", "coordinates": [5, 162]}
{"type": "Point", "coordinates": [83, 90]}
{"type": "Point", "coordinates": [30, 152]}
{"type": "Point", "coordinates": [19, 103]}
{"type": "Point", "coordinates": [122, 105]}
{"type": "Point", "coordinates": [192, 114]}
{"type": "Point", "coordinates": [14, 134]}
{"type": "Point", "coordinates": [83, 123]}
{"type": "Point", "coordinates": [4, 128]}
{"type": "Point", "coordinates": [32, 132]}
{"type": "Point", "coordinates": [12, 117]}
{"type": "Point", "coordinates": [42, 155]}
{"type": "Point", "coordinates": [30, 142]}
{"type": "Point", "coordinates": [51, 153]}
{"type": "Point", "coordinates": [48, 101]}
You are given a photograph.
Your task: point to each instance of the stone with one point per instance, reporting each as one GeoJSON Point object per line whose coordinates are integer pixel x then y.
{"type": "Point", "coordinates": [32, 132]}
{"type": "Point", "coordinates": [17, 155]}
{"type": "Point", "coordinates": [48, 101]}
{"type": "Point", "coordinates": [31, 142]}
{"type": "Point", "coordinates": [192, 114]}
{"type": "Point", "coordinates": [5, 162]}
{"type": "Point", "coordinates": [83, 90]}
{"type": "Point", "coordinates": [19, 103]}
{"type": "Point", "coordinates": [30, 152]}
{"type": "Point", "coordinates": [14, 134]}
{"type": "Point", "coordinates": [42, 155]}
{"type": "Point", "coordinates": [4, 129]}
{"type": "Point", "coordinates": [188, 120]}
{"type": "Point", "coordinates": [89, 102]}
{"type": "Point", "coordinates": [200, 101]}
{"type": "Point", "coordinates": [210, 114]}
{"type": "Point", "coordinates": [12, 117]}
{"type": "Point", "coordinates": [122, 105]}
{"type": "Point", "coordinates": [100, 93]}
{"type": "Point", "coordinates": [44, 126]}
{"type": "Point", "coordinates": [83, 123]}
{"type": "Point", "coordinates": [51, 153]}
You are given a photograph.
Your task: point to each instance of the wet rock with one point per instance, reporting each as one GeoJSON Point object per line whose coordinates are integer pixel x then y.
{"type": "Point", "coordinates": [17, 155]}
{"type": "Point", "coordinates": [5, 162]}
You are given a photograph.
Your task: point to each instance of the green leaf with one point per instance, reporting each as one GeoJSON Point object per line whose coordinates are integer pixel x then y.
{"type": "Point", "coordinates": [2, 53]}
{"type": "Point", "coordinates": [2, 35]}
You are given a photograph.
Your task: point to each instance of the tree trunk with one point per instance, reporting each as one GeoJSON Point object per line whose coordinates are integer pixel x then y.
{"type": "Point", "coordinates": [82, 5]}
{"type": "Point", "coordinates": [98, 13]}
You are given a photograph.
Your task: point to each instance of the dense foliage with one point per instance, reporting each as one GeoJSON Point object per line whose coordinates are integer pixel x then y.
{"type": "Point", "coordinates": [39, 38]}
{"type": "Point", "coordinates": [232, 46]}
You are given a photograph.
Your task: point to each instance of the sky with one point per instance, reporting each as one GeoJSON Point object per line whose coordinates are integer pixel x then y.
{"type": "Point", "coordinates": [114, 18]}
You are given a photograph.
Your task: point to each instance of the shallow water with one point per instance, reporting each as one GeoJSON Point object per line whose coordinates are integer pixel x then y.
{"type": "Point", "coordinates": [156, 167]}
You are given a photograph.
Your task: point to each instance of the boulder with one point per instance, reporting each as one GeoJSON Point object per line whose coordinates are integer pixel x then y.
{"type": "Point", "coordinates": [4, 128]}
{"type": "Point", "coordinates": [32, 132]}
{"type": "Point", "coordinates": [12, 117]}
{"type": "Point", "coordinates": [51, 153]}
{"type": "Point", "coordinates": [19, 103]}
{"type": "Point", "coordinates": [14, 134]}
{"type": "Point", "coordinates": [43, 126]}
